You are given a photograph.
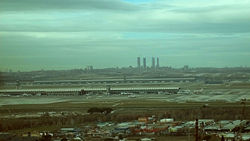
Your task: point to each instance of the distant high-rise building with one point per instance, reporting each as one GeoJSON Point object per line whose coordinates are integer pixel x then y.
{"type": "Point", "coordinates": [144, 63]}
{"type": "Point", "coordinates": [186, 67]}
{"type": "Point", "coordinates": [89, 68]}
{"type": "Point", "coordinates": [153, 62]}
{"type": "Point", "coordinates": [157, 63]}
{"type": "Point", "coordinates": [138, 62]}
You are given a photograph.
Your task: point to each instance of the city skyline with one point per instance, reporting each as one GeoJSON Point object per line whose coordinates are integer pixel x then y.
{"type": "Point", "coordinates": [144, 63]}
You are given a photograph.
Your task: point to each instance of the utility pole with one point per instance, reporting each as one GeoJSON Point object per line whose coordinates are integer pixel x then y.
{"type": "Point", "coordinates": [243, 102]}
{"type": "Point", "coordinates": [196, 130]}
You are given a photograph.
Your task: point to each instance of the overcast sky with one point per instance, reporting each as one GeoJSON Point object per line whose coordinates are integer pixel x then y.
{"type": "Point", "coordinates": [66, 34]}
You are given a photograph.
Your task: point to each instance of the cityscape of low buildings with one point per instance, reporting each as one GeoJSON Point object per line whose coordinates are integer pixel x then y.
{"type": "Point", "coordinates": [148, 128]}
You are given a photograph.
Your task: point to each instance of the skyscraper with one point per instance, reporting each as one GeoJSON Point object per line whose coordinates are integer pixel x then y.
{"type": "Point", "coordinates": [157, 63]}
{"type": "Point", "coordinates": [138, 62]}
{"type": "Point", "coordinates": [144, 63]}
{"type": "Point", "coordinates": [153, 62]}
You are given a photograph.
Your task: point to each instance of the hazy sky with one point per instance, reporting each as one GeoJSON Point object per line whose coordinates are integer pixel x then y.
{"type": "Point", "coordinates": [65, 34]}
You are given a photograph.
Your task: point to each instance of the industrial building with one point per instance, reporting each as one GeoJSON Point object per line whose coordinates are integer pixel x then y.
{"type": "Point", "coordinates": [115, 81]}
{"type": "Point", "coordinates": [82, 91]}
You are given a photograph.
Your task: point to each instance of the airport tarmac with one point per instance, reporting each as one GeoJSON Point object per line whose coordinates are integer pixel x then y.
{"type": "Point", "coordinates": [224, 95]}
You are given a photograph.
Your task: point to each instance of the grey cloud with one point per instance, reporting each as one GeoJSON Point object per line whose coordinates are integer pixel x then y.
{"type": "Point", "coordinates": [30, 5]}
{"type": "Point", "coordinates": [41, 33]}
{"type": "Point", "coordinates": [121, 25]}
{"type": "Point", "coordinates": [211, 8]}
{"type": "Point", "coordinates": [84, 15]}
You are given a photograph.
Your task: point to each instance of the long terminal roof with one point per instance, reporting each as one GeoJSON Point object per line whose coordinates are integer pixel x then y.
{"type": "Point", "coordinates": [88, 89]}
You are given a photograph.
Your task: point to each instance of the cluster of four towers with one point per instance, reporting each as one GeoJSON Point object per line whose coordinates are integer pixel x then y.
{"type": "Point", "coordinates": [144, 67]}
